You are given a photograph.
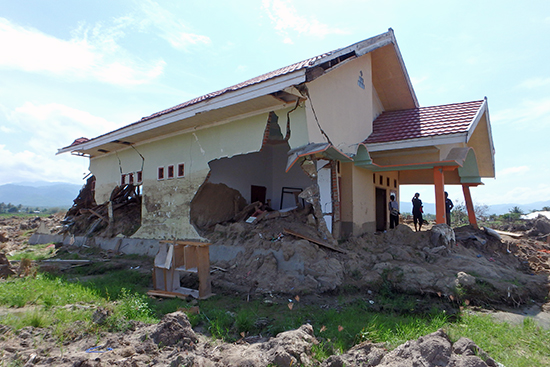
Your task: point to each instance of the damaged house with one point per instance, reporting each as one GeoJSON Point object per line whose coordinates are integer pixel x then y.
{"type": "Point", "coordinates": [347, 120]}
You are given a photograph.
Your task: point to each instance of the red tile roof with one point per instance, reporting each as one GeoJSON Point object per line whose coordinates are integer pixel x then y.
{"type": "Point", "coordinates": [273, 74]}
{"type": "Point", "coordinates": [423, 122]}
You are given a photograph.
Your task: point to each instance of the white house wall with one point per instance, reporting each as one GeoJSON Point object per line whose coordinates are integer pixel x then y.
{"type": "Point", "coordinates": [165, 208]}
{"type": "Point", "coordinates": [342, 98]}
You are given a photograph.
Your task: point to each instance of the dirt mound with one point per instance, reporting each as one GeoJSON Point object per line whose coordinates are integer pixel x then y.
{"type": "Point", "coordinates": [175, 330]}
{"type": "Point", "coordinates": [147, 345]}
{"type": "Point", "coordinates": [425, 263]}
{"type": "Point", "coordinates": [434, 349]}
{"type": "Point", "coordinates": [215, 203]}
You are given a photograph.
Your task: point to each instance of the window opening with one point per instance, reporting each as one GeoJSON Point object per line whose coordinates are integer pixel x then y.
{"type": "Point", "coordinates": [181, 170]}
{"type": "Point", "coordinates": [171, 171]}
{"type": "Point", "coordinates": [160, 173]}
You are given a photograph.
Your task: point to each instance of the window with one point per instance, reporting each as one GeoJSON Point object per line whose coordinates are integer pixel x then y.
{"type": "Point", "coordinates": [374, 178]}
{"type": "Point", "coordinates": [139, 177]}
{"type": "Point", "coordinates": [395, 184]}
{"type": "Point", "coordinates": [170, 171]}
{"type": "Point", "coordinates": [181, 170]}
{"type": "Point", "coordinates": [381, 180]}
{"type": "Point", "coordinates": [122, 179]}
{"type": "Point", "coordinates": [388, 181]}
{"type": "Point", "coordinates": [131, 178]}
{"type": "Point", "coordinates": [160, 173]}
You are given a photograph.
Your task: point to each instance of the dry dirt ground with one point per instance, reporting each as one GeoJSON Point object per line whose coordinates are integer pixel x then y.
{"type": "Point", "coordinates": [464, 266]}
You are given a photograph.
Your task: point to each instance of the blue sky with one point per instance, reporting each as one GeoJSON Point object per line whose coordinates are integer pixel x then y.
{"type": "Point", "coordinates": [81, 68]}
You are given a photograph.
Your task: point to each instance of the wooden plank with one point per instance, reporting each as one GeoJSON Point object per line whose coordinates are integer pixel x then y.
{"type": "Point", "coordinates": [191, 257]}
{"type": "Point", "coordinates": [288, 231]}
{"type": "Point", "coordinates": [98, 215]}
{"type": "Point", "coordinates": [165, 294]}
{"type": "Point", "coordinates": [203, 264]}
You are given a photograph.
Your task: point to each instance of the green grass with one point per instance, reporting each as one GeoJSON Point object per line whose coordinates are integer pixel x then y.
{"type": "Point", "coordinates": [66, 307]}
{"type": "Point", "coordinates": [520, 346]}
{"type": "Point", "coordinates": [36, 252]}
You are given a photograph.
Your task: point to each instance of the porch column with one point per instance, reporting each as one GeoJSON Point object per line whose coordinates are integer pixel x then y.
{"type": "Point", "coordinates": [469, 206]}
{"type": "Point", "coordinates": [439, 182]}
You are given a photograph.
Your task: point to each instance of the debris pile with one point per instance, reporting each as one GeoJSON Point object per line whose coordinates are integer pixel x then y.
{"type": "Point", "coordinates": [5, 267]}
{"type": "Point", "coordinates": [530, 242]}
{"type": "Point", "coordinates": [120, 215]}
{"type": "Point", "coordinates": [269, 259]}
{"type": "Point", "coordinates": [16, 231]}
{"type": "Point", "coordinates": [218, 204]}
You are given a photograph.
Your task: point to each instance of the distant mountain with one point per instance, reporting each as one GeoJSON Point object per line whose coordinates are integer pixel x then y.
{"type": "Point", "coordinates": [498, 209]}
{"type": "Point", "coordinates": [40, 194]}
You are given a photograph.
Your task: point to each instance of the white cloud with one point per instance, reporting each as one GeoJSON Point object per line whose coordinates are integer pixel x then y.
{"type": "Point", "coordinates": [90, 54]}
{"type": "Point", "coordinates": [512, 171]}
{"type": "Point", "coordinates": [42, 129]}
{"type": "Point", "coordinates": [535, 83]}
{"type": "Point", "coordinates": [51, 126]}
{"type": "Point", "coordinates": [529, 113]}
{"type": "Point", "coordinates": [241, 69]}
{"type": "Point", "coordinates": [29, 166]}
{"type": "Point", "coordinates": [286, 19]}
{"type": "Point", "coordinates": [171, 28]}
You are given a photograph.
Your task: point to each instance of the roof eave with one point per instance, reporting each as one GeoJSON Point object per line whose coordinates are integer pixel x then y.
{"type": "Point", "coordinates": [418, 143]}
{"type": "Point", "coordinates": [224, 100]}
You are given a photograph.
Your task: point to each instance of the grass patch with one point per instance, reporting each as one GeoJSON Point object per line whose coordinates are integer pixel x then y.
{"type": "Point", "coordinates": [35, 253]}
{"type": "Point", "coordinates": [66, 307]}
{"type": "Point", "coordinates": [521, 346]}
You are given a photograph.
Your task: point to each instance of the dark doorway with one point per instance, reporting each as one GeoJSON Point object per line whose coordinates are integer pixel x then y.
{"type": "Point", "coordinates": [258, 193]}
{"type": "Point", "coordinates": [381, 209]}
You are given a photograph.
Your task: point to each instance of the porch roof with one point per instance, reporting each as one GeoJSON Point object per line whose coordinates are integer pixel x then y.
{"type": "Point", "coordinates": [424, 122]}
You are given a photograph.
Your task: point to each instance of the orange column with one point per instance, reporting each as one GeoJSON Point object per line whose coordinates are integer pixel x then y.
{"type": "Point", "coordinates": [439, 182]}
{"type": "Point", "coordinates": [469, 206]}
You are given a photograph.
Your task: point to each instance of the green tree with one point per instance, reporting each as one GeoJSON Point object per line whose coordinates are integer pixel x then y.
{"type": "Point", "coordinates": [516, 210]}
{"type": "Point", "coordinates": [459, 214]}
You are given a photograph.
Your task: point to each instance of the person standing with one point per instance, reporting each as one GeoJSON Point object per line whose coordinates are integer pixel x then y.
{"type": "Point", "coordinates": [448, 207]}
{"type": "Point", "coordinates": [417, 212]}
{"type": "Point", "coordinates": [394, 212]}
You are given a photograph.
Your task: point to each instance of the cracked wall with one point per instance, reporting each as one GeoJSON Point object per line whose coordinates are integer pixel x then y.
{"type": "Point", "coordinates": [166, 203]}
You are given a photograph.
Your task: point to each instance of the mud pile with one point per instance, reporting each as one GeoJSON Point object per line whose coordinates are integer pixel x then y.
{"type": "Point", "coordinates": [462, 264]}
{"type": "Point", "coordinates": [173, 342]}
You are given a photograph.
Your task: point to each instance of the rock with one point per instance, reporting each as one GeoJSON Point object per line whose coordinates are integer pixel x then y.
{"type": "Point", "coordinates": [442, 235]}
{"type": "Point", "coordinates": [465, 280]}
{"type": "Point", "coordinates": [175, 329]}
{"type": "Point", "coordinates": [100, 315]}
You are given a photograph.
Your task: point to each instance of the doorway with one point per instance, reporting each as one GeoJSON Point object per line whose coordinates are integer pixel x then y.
{"type": "Point", "coordinates": [381, 212]}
